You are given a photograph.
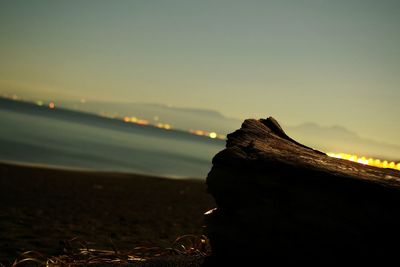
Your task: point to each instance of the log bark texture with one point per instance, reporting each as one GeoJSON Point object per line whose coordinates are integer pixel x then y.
{"type": "Point", "coordinates": [284, 203]}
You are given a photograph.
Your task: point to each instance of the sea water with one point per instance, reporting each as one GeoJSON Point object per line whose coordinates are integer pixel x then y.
{"type": "Point", "coordinates": [37, 135]}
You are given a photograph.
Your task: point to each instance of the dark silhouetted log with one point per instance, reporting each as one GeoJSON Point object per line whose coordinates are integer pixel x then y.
{"type": "Point", "coordinates": [283, 203]}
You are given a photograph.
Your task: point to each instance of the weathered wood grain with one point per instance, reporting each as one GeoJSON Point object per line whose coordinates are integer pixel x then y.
{"type": "Point", "coordinates": [284, 203]}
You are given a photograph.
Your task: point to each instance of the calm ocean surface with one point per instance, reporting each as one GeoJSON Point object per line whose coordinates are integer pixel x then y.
{"type": "Point", "coordinates": [37, 135]}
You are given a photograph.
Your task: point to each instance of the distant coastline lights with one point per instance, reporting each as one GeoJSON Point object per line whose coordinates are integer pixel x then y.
{"type": "Point", "coordinates": [366, 161]}
{"type": "Point", "coordinates": [212, 135]}
{"type": "Point", "coordinates": [136, 120]}
{"type": "Point", "coordinates": [166, 126]}
{"type": "Point", "coordinates": [163, 126]}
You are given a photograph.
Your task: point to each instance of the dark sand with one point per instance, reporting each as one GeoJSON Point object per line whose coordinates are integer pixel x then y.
{"type": "Point", "coordinates": [41, 207]}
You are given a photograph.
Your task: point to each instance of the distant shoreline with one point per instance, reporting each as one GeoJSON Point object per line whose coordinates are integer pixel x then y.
{"type": "Point", "coordinates": [51, 167]}
{"type": "Point", "coordinates": [54, 137]}
{"type": "Point", "coordinates": [9, 104]}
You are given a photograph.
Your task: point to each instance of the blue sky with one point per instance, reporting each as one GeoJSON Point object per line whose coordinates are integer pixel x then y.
{"type": "Point", "coordinates": [325, 61]}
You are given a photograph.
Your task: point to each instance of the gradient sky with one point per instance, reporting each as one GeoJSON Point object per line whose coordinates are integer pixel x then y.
{"type": "Point", "coordinates": [325, 61]}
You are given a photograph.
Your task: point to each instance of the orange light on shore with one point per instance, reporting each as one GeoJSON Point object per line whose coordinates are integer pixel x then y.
{"type": "Point", "coordinates": [221, 136]}
{"type": "Point", "coordinates": [197, 132]}
{"type": "Point", "coordinates": [363, 160]}
{"type": "Point", "coordinates": [142, 122]}
{"type": "Point", "coordinates": [52, 105]}
{"type": "Point", "coordinates": [165, 126]}
{"type": "Point", "coordinates": [135, 120]}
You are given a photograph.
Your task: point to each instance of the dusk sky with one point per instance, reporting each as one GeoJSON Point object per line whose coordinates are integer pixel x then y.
{"type": "Point", "coordinates": [332, 62]}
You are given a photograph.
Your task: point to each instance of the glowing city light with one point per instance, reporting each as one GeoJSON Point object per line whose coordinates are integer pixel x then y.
{"type": "Point", "coordinates": [363, 160]}
{"type": "Point", "coordinates": [212, 135]}
{"type": "Point", "coordinates": [142, 122]}
{"type": "Point", "coordinates": [165, 126]}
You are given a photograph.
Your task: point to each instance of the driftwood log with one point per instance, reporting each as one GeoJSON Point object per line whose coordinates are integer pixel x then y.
{"type": "Point", "coordinates": [282, 203]}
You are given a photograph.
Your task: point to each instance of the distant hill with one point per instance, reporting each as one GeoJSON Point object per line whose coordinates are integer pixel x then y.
{"type": "Point", "coordinates": [327, 139]}
{"type": "Point", "coordinates": [340, 139]}
{"type": "Point", "coordinates": [179, 118]}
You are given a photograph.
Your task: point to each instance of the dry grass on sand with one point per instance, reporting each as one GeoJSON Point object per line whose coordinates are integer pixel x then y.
{"type": "Point", "coordinates": [42, 209]}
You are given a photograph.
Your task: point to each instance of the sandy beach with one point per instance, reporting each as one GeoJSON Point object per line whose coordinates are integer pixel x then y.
{"type": "Point", "coordinates": [41, 208]}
